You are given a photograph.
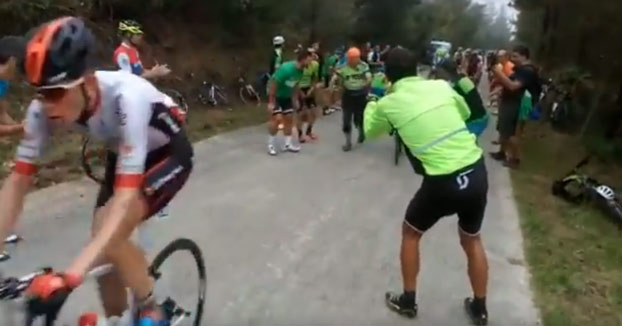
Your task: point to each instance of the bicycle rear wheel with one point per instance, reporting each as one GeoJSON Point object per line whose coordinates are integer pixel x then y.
{"type": "Point", "coordinates": [172, 309]}
{"type": "Point", "coordinates": [93, 161]}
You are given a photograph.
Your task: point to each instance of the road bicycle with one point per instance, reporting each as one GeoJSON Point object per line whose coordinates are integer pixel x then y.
{"type": "Point", "coordinates": [576, 187]}
{"type": "Point", "coordinates": [210, 93]}
{"type": "Point", "coordinates": [14, 288]}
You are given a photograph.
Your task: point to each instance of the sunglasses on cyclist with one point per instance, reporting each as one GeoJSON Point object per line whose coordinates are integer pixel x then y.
{"type": "Point", "coordinates": [57, 92]}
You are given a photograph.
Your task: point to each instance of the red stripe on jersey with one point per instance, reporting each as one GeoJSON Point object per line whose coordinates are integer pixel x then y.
{"type": "Point", "coordinates": [25, 168]}
{"type": "Point", "coordinates": [128, 180]}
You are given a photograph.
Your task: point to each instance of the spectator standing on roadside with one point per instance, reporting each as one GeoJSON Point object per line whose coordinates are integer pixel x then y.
{"type": "Point", "coordinates": [496, 88]}
{"type": "Point", "coordinates": [384, 52]}
{"type": "Point", "coordinates": [524, 78]}
{"type": "Point", "coordinates": [11, 49]}
{"type": "Point", "coordinates": [126, 56]}
{"type": "Point", "coordinates": [365, 52]}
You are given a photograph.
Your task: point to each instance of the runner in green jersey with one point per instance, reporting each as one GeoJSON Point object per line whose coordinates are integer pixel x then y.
{"type": "Point", "coordinates": [283, 98]}
{"type": "Point", "coordinates": [327, 73]}
{"type": "Point", "coordinates": [430, 119]}
{"type": "Point", "coordinates": [306, 112]}
{"type": "Point", "coordinates": [355, 78]}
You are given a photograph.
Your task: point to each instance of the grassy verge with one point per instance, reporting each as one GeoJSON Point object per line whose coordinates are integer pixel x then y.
{"type": "Point", "coordinates": [62, 161]}
{"type": "Point", "coordinates": [574, 252]}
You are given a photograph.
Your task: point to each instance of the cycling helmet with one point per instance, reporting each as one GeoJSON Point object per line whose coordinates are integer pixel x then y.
{"type": "Point", "coordinates": [606, 192]}
{"type": "Point", "coordinates": [130, 27]}
{"type": "Point", "coordinates": [278, 40]}
{"type": "Point", "coordinates": [58, 54]}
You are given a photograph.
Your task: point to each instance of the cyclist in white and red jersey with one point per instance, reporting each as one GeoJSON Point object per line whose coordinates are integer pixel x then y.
{"type": "Point", "coordinates": [149, 161]}
{"type": "Point", "coordinates": [126, 56]}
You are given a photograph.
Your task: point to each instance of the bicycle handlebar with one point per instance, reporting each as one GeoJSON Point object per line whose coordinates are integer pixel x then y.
{"type": "Point", "coordinates": [13, 288]}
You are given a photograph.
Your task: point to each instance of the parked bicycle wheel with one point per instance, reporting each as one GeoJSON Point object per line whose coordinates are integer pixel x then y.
{"type": "Point", "coordinates": [176, 312]}
{"type": "Point", "coordinates": [93, 160]}
{"type": "Point", "coordinates": [248, 95]}
{"type": "Point", "coordinates": [220, 95]}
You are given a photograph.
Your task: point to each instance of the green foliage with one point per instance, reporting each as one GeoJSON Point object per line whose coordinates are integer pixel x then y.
{"type": "Point", "coordinates": [407, 22]}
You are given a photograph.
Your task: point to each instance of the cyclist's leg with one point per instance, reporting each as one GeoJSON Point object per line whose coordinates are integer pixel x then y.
{"type": "Point", "coordinates": [111, 286]}
{"type": "Point", "coordinates": [422, 213]}
{"type": "Point", "coordinates": [130, 263]}
{"type": "Point", "coordinates": [347, 120]}
{"type": "Point", "coordinates": [358, 116]}
{"type": "Point", "coordinates": [471, 216]}
{"type": "Point", "coordinates": [311, 116]}
{"type": "Point", "coordinates": [288, 122]}
{"type": "Point", "coordinates": [273, 128]}
{"type": "Point", "coordinates": [302, 115]}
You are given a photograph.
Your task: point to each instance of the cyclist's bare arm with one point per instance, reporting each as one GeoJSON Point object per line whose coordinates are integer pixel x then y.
{"type": "Point", "coordinates": [4, 113]}
{"type": "Point", "coordinates": [124, 204]}
{"type": "Point", "coordinates": [272, 92]}
{"type": "Point", "coordinates": [16, 186]}
{"type": "Point", "coordinates": [12, 196]}
{"type": "Point", "coordinates": [8, 130]}
{"type": "Point", "coordinates": [123, 62]}
{"type": "Point", "coordinates": [155, 72]}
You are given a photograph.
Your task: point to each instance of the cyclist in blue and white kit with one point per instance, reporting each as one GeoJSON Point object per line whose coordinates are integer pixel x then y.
{"type": "Point", "coordinates": [150, 160]}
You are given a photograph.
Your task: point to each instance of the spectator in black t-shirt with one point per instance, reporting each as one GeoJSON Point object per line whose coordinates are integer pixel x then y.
{"type": "Point", "coordinates": [525, 77]}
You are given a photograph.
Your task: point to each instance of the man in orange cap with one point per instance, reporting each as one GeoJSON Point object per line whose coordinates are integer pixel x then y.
{"type": "Point", "coordinates": [355, 79]}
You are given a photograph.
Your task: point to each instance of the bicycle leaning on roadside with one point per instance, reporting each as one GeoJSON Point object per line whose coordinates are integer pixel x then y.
{"type": "Point", "coordinates": [210, 93]}
{"type": "Point", "coordinates": [16, 288]}
{"type": "Point", "coordinates": [577, 188]}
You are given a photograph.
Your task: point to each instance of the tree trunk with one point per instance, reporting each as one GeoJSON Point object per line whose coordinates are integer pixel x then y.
{"type": "Point", "coordinates": [314, 17]}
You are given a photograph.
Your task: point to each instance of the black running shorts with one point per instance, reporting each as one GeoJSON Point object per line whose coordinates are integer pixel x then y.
{"type": "Point", "coordinates": [283, 106]}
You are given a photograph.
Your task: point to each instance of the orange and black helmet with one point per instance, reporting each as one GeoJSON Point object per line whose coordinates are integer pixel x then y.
{"type": "Point", "coordinates": [58, 53]}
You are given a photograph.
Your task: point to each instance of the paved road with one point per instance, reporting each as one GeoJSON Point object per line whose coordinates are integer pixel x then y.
{"type": "Point", "coordinates": [307, 239]}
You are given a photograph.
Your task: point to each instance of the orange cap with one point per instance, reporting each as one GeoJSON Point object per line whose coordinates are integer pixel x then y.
{"type": "Point", "coordinates": [353, 53]}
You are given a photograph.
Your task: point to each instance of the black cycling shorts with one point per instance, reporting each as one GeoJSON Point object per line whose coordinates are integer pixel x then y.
{"type": "Point", "coordinates": [463, 193]}
{"type": "Point", "coordinates": [283, 106]}
{"type": "Point", "coordinates": [306, 102]}
{"type": "Point", "coordinates": [166, 168]}
{"type": "Point", "coordinates": [165, 175]}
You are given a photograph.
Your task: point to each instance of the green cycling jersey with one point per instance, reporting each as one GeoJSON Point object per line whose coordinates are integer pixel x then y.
{"type": "Point", "coordinates": [429, 117]}
{"type": "Point", "coordinates": [309, 75]}
{"type": "Point", "coordinates": [379, 81]}
{"type": "Point", "coordinates": [354, 78]}
{"type": "Point", "coordinates": [287, 78]}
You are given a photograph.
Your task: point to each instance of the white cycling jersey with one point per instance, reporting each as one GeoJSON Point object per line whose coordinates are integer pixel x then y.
{"type": "Point", "coordinates": [124, 120]}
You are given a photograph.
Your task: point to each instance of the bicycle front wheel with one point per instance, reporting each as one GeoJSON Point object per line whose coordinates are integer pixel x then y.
{"type": "Point", "coordinates": [174, 311]}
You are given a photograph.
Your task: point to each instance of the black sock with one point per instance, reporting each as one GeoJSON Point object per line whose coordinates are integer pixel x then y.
{"type": "Point", "coordinates": [479, 305]}
{"type": "Point", "coordinates": [409, 297]}
{"type": "Point", "coordinates": [299, 132]}
{"type": "Point", "coordinates": [309, 129]}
